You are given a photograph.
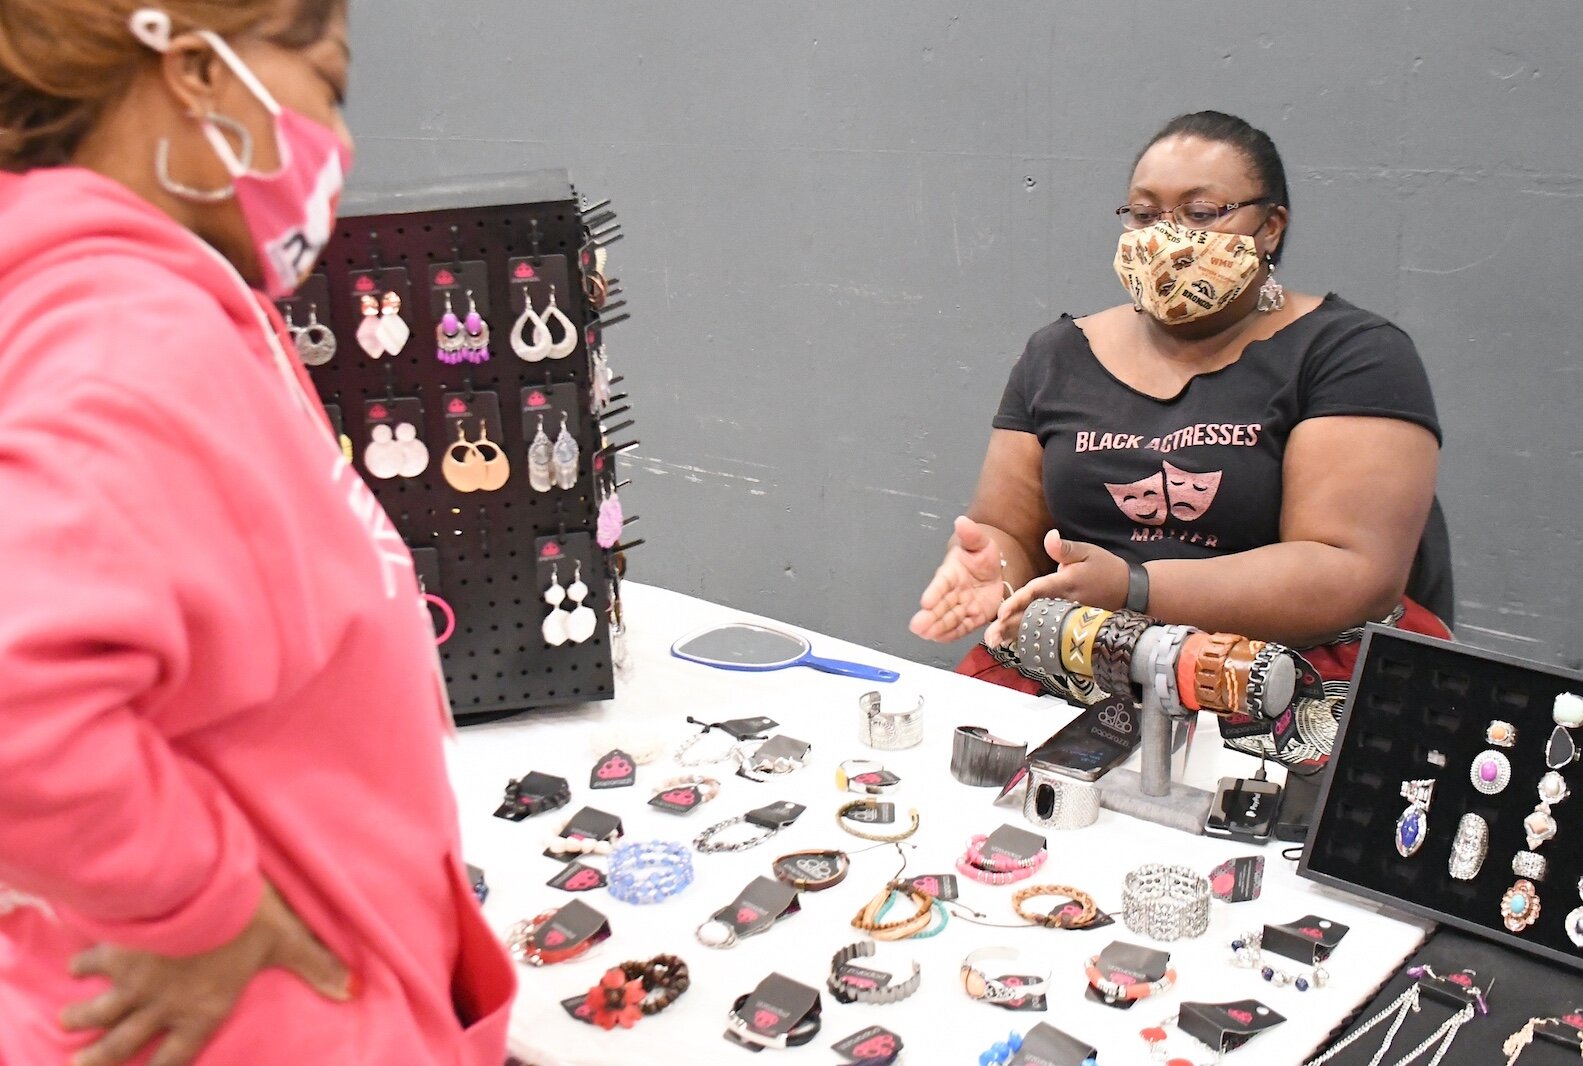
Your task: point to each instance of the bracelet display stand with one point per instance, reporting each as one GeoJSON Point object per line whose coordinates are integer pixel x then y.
{"type": "Point", "coordinates": [496, 245]}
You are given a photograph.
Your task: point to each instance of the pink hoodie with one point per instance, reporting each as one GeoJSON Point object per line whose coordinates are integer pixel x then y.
{"type": "Point", "coordinates": [214, 664]}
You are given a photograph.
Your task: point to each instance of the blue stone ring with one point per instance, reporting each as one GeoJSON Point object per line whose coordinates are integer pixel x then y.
{"type": "Point", "coordinates": [1520, 906]}
{"type": "Point", "coordinates": [1412, 828]}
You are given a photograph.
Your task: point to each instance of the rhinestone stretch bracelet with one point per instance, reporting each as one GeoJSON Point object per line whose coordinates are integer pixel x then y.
{"type": "Point", "coordinates": [1165, 902]}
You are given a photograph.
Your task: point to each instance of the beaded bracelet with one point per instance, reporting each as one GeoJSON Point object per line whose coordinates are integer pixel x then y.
{"type": "Point", "coordinates": [523, 944]}
{"type": "Point", "coordinates": [1000, 870]}
{"type": "Point", "coordinates": [1247, 953]}
{"type": "Point", "coordinates": [1000, 1052]}
{"type": "Point", "coordinates": [649, 871]}
{"type": "Point", "coordinates": [1115, 991]}
{"type": "Point", "coordinates": [1056, 919]}
{"type": "Point", "coordinates": [846, 810]}
{"type": "Point", "coordinates": [635, 990]}
{"type": "Point", "coordinates": [579, 845]}
{"type": "Point", "coordinates": [940, 913]}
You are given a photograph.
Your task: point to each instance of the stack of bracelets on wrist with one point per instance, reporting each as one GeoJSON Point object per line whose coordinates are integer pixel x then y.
{"type": "Point", "coordinates": [705, 841]}
{"type": "Point", "coordinates": [847, 993]}
{"type": "Point", "coordinates": [895, 896]}
{"type": "Point", "coordinates": [1057, 919]}
{"type": "Point", "coordinates": [636, 989]}
{"type": "Point", "coordinates": [649, 871]}
{"type": "Point", "coordinates": [999, 870]}
{"type": "Point", "coordinates": [846, 810]}
{"type": "Point", "coordinates": [708, 788]}
{"type": "Point", "coordinates": [524, 947]}
{"type": "Point", "coordinates": [868, 919]}
{"type": "Point", "coordinates": [890, 729]}
{"type": "Point", "coordinates": [1115, 991]}
{"type": "Point", "coordinates": [580, 845]}
{"type": "Point", "coordinates": [804, 1031]}
{"type": "Point", "coordinates": [1113, 647]}
{"type": "Point", "coordinates": [1165, 902]}
{"type": "Point", "coordinates": [1247, 953]}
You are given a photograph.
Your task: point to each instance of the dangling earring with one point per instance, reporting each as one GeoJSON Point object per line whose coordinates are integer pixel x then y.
{"type": "Point", "coordinates": [600, 379]}
{"type": "Point", "coordinates": [1272, 295]}
{"type": "Point", "coordinates": [204, 196]}
{"type": "Point", "coordinates": [539, 348]}
{"type": "Point", "coordinates": [568, 343]}
{"type": "Point", "coordinates": [540, 460]}
{"type": "Point", "coordinates": [368, 337]}
{"type": "Point", "coordinates": [476, 346]}
{"type": "Point", "coordinates": [611, 520]}
{"type": "Point", "coordinates": [315, 341]}
{"type": "Point", "coordinates": [382, 458]}
{"type": "Point", "coordinates": [448, 342]}
{"type": "Point", "coordinates": [566, 455]}
{"type": "Point", "coordinates": [414, 454]}
{"type": "Point", "coordinates": [497, 468]}
{"type": "Point", "coordinates": [554, 627]}
{"type": "Point", "coordinates": [581, 623]}
{"type": "Point", "coordinates": [463, 465]}
{"type": "Point", "coordinates": [393, 329]}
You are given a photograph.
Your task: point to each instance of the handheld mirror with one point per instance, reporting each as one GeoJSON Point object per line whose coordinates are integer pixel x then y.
{"type": "Point", "coordinates": [747, 647]}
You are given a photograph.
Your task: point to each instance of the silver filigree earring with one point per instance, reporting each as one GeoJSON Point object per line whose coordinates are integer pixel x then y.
{"type": "Point", "coordinates": [1272, 295]}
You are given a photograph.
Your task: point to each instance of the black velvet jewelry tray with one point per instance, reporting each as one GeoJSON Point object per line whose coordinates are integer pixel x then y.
{"type": "Point", "coordinates": [1414, 700]}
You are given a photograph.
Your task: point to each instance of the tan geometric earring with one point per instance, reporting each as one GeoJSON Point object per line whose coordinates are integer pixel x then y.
{"type": "Point", "coordinates": [463, 465]}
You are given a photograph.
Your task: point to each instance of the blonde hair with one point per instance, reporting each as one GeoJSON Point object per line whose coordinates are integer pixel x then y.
{"type": "Point", "coordinates": [62, 62]}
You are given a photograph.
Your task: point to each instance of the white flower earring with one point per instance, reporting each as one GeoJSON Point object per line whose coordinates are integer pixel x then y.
{"type": "Point", "coordinates": [540, 459]}
{"type": "Point", "coordinates": [538, 349]}
{"type": "Point", "coordinates": [414, 453]}
{"type": "Point", "coordinates": [382, 458]}
{"type": "Point", "coordinates": [565, 459]}
{"type": "Point", "coordinates": [580, 624]}
{"type": "Point", "coordinates": [554, 627]}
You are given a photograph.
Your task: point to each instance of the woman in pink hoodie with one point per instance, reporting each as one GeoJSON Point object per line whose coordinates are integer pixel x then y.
{"type": "Point", "coordinates": [226, 831]}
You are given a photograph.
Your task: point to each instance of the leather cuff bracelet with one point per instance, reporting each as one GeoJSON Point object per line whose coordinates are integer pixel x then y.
{"type": "Point", "coordinates": [824, 869]}
{"type": "Point", "coordinates": [1078, 633]}
{"type": "Point", "coordinates": [851, 993]}
{"type": "Point", "coordinates": [1207, 670]}
{"type": "Point", "coordinates": [982, 760]}
{"type": "Point", "coordinates": [1113, 648]}
{"type": "Point", "coordinates": [805, 1030]}
{"type": "Point", "coordinates": [1056, 802]}
{"type": "Point", "coordinates": [1038, 646]}
{"type": "Point", "coordinates": [979, 985]}
{"type": "Point", "coordinates": [890, 723]}
{"type": "Point", "coordinates": [1165, 902]}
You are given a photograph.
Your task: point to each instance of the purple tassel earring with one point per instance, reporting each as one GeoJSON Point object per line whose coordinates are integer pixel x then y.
{"type": "Point", "coordinates": [448, 336]}
{"type": "Point", "coordinates": [476, 344]}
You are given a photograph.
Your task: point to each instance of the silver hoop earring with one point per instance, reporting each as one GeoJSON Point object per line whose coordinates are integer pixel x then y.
{"type": "Point", "coordinates": [203, 196]}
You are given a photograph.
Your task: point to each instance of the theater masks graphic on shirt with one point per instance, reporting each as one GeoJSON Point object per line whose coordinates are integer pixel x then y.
{"type": "Point", "coordinates": [1172, 493]}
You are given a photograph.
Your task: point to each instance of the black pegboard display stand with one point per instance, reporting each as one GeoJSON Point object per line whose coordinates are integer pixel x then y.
{"type": "Point", "coordinates": [489, 554]}
{"type": "Point", "coordinates": [1416, 701]}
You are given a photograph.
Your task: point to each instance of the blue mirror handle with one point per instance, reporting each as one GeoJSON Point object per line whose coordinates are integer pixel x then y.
{"type": "Point", "coordinates": [846, 669]}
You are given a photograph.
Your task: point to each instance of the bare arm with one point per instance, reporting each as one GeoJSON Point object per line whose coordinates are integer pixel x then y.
{"type": "Point", "coordinates": [1356, 493]}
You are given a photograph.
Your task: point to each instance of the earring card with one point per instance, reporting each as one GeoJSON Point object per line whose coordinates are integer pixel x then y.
{"type": "Point", "coordinates": [464, 282]}
{"type": "Point", "coordinates": [474, 414]}
{"type": "Point", "coordinates": [549, 402]}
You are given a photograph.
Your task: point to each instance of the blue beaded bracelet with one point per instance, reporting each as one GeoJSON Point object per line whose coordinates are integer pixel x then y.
{"type": "Point", "coordinates": [649, 871]}
{"type": "Point", "coordinates": [1000, 1053]}
{"type": "Point", "coordinates": [933, 930]}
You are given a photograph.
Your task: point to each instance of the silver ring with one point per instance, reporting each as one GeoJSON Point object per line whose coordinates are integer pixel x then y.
{"type": "Point", "coordinates": [1530, 864]}
{"type": "Point", "coordinates": [1575, 927]}
{"type": "Point", "coordinates": [1501, 734]}
{"type": "Point", "coordinates": [1469, 847]}
{"type": "Point", "coordinates": [1553, 788]}
{"type": "Point", "coordinates": [1491, 772]}
{"type": "Point", "coordinates": [1539, 826]}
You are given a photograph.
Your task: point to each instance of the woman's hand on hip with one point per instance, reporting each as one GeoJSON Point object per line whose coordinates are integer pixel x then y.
{"type": "Point", "coordinates": [179, 1003]}
{"type": "Point", "coordinates": [1088, 575]}
{"type": "Point", "coordinates": [965, 590]}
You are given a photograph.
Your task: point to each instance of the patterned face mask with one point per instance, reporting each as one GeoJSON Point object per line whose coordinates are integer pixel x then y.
{"type": "Point", "coordinates": [1178, 275]}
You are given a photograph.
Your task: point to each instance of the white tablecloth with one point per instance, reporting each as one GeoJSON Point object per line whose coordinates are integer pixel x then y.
{"type": "Point", "coordinates": [939, 1024]}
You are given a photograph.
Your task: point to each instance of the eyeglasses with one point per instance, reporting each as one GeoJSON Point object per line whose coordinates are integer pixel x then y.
{"type": "Point", "coordinates": [1195, 214]}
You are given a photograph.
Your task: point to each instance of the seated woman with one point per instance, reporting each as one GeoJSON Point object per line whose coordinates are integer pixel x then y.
{"type": "Point", "coordinates": [1218, 452]}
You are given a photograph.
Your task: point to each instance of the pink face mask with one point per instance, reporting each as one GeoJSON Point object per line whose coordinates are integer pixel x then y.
{"type": "Point", "coordinates": [290, 213]}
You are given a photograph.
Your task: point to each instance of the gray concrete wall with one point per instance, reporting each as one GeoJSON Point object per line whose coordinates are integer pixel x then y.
{"type": "Point", "coordinates": [844, 218]}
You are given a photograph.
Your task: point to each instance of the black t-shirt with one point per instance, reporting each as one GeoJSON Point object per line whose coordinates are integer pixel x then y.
{"type": "Point", "coordinates": [1199, 475]}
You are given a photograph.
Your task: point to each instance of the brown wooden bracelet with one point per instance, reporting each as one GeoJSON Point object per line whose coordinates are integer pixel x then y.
{"type": "Point", "coordinates": [1055, 919]}
{"type": "Point", "coordinates": [1206, 671]}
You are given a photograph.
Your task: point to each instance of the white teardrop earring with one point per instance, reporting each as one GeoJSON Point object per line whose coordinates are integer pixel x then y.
{"type": "Point", "coordinates": [554, 627]}
{"type": "Point", "coordinates": [568, 343]}
{"type": "Point", "coordinates": [539, 348]}
{"type": "Point", "coordinates": [540, 460]}
{"type": "Point", "coordinates": [580, 624]}
{"type": "Point", "coordinates": [566, 457]}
